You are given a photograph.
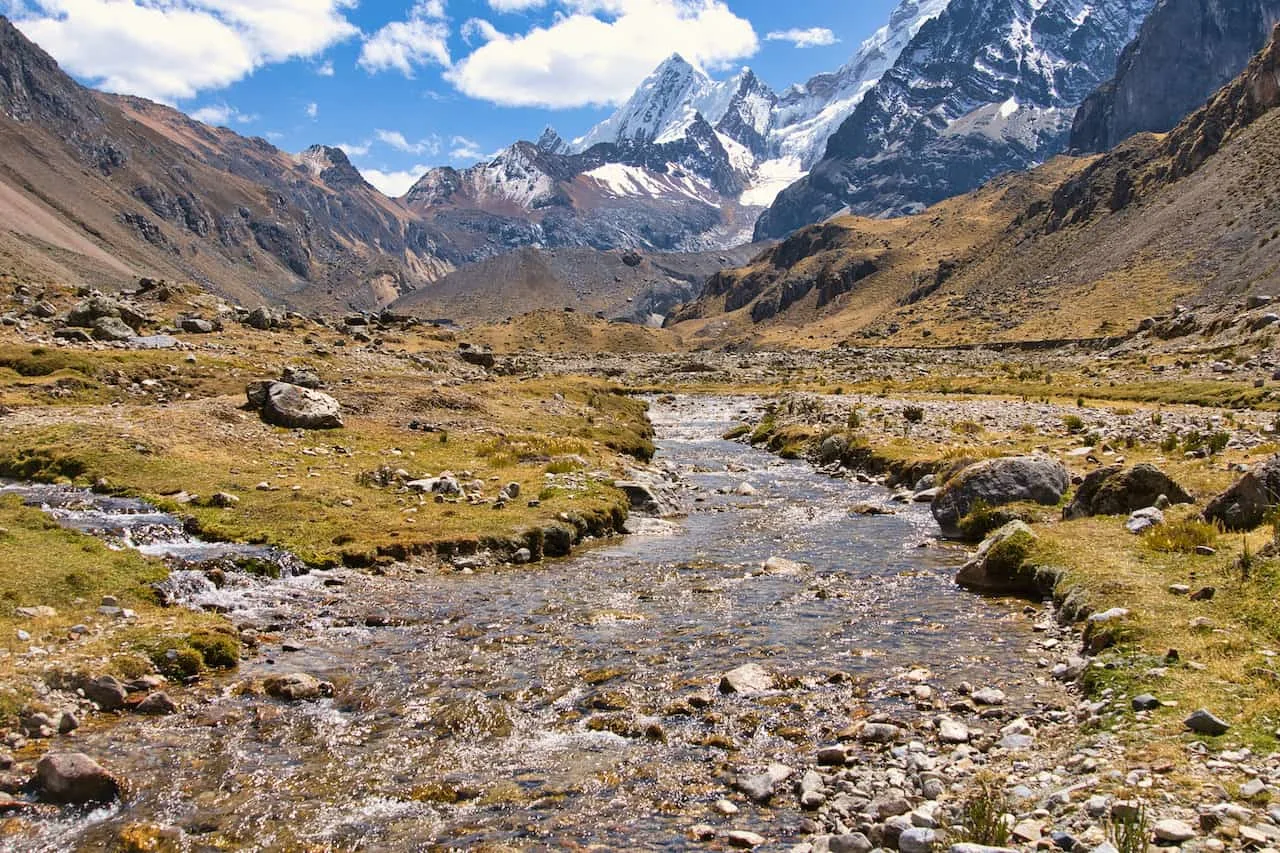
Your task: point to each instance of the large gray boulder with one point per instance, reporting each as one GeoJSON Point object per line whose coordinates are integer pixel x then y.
{"type": "Point", "coordinates": [1116, 491]}
{"type": "Point", "coordinates": [88, 312]}
{"type": "Point", "coordinates": [293, 406]}
{"type": "Point", "coordinates": [996, 482]}
{"type": "Point", "coordinates": [1246, 504]}
{"type": "Point", "coordinates": [1000, 565]}
{"type": "Point", "coordinates": [74, 778]}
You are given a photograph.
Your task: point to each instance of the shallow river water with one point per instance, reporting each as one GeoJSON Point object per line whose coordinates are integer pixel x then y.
{"type": "Point", "coordinates": [547, 707]}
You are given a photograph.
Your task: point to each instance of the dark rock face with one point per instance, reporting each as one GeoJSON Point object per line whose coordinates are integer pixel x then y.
{"type": "Point", "coordinates": [983, 89]}
{"type": "Point", "coordinates": [997, 482]}
{"type": "Point", "coordinates": [1186, 51]}
{"type": "Point", "coordinates": [74, 778]}
{"type": "Point", "coordinates": [1246, 504]}
{"type": "Point", "coordinates": [1115, 491]}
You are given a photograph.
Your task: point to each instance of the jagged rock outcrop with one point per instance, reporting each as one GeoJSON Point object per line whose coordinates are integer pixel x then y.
{"type": "Point", "coordinates": [982, 89]}
{"type": "Point", "coordinates": [1185, 51]}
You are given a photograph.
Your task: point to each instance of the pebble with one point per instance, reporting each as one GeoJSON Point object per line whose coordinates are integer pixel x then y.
{"type": "Point", "coordinates": [743, 838]}
{"type": "Point", "coordinates": [1175, 831]}
{"type": "Point", "coordinates": [1145, 702]}
{"type": "Point", "coordinates": [989, 696]}
{"type": "Point", "coordinates": [917, 840]}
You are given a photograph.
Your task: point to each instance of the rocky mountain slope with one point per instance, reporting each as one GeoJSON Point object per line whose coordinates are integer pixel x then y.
{"type": "Point", "coordinates": [1073, 249]}
{"type": "Point", "coordinates": [630, 286]}
{"type": "Point", "coordinates": [1186, 51]}
{"type": "Point", "coordinates": [981, 89]}
{"type": "Point", "coordinates": [97, 188]}
{"type": "Point", "coordinates": [687, 164]}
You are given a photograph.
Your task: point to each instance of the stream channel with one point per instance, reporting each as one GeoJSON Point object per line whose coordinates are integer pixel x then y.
{"type": "Point", "coordinates": [567, 705]}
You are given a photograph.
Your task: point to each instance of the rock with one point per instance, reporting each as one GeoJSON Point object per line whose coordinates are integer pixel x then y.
{"type": "Point", "coordinates": [1116, 491]}
{"type": "Point", "coordinates": [1143, 520]}
{"type": "Point", "coordinates": [747, 680]}
{"type": "Point", "coordinates": [743, 838]}
{"type": "Point", "coordinates": [303, 377]}
{"type": "Point", "coordinates": [831, 756]}
{"type": "Point", "coordinates": [1145, 702]}
{"type": "Point", "coordinates": [745, 490]}
{"type": "Point", "coordinates": [77, 336]}
{"type": "Point", "coordinates": [1247, 502]}
{"type": "Point", "coordinates": [979, 848]}
{"type": "Point", "coordinates": [476, 355]}
{"type": "Point", "coordinates": [296, 687]}
{"type": "Point", "coordinates": [74, 778]}
{"type": "Point", "coordinates": [952, 731]}
{"type": "Point", "coordinates": [158, 704]}
{"type": "Point", "coordinates": [758, 788]}
{"type": "Point", "coordinates": [917, 840]}
{"type": "Point", "coordinates": [999, 565]}
{"type": "Point", "coordinates": [1205, 593]}
{"type": "Point", "coordinates": [879, 733]}
{"type": "Point", "coordinates": [865, 508]}
{"type": "Point", "coordinates": [644, 498]}
{"type": "Point", "coordinates": [264, 319]}
{"type": "Point", "coordinates": [293, 406]}
{"type": "Point", "coordinates": [1205, 723]}
{"type": "Point", "coordinates": [926, 496]}
{"type": "Point", "coordinates": [1173, 831]}
{"type": "Point", "coordinates": [989, 696]}
{"type": "Point", "coordinates": [106, 691]}
{"type": "Point", "coordinates": [224, 500]}
{"type": "Point", "coordinates": [853, 842]}
{"type": "Point", "coordinates": [996, 482]}
{"type": "Point", "coordinates": [196, 326]}
{"type": "Point", "coordinates": [112, 329]}
{"type": "Point", "coordinates": [1253, 788]}
{"type": "Point", "coordinates": [783, 566]}
{"type": "Point", "coordinates": [88, 312]}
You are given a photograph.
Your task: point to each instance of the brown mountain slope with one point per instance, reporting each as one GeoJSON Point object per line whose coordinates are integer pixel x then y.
{"type": "Point", "coordinates": [1099, 245]}
{"type": "Point", "coordinates": [98, 189]}
{"type": "Point", "coordinates": [626, 285]}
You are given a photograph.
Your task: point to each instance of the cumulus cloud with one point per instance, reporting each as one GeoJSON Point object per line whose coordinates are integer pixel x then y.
{"type": "Point", "coordinates": [392, 183]}
{"type": "Point", "coordinates": [312, 109]}
{"type": "Point", "coordinates": [811, 37]}
{"type": "Point", "coordinates": [397, 140]}
{"type": "Point", "coordinates": [466, 149]}
{"type": "Point", "coordinates": [596, 52]}
{"type": "Point", "coordinates": [406, 45]}
{"type": "Point", "coordinates": [355, 149]}
{"type": "Point", "coordinates": [325, 69]}
{"type": "Point", "coordinates": [221, 115]}
{"type": "Point", "coordinates": [173, 49]}
{"type": "Point", "coordinates": [515, 5]}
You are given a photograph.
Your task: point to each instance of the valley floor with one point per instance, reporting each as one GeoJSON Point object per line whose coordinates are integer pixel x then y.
{"type": "Point", "coordinates": [171, 425]}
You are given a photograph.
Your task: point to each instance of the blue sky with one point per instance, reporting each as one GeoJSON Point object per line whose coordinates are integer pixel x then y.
{"type": "Point", "coordinates": [405, 86]}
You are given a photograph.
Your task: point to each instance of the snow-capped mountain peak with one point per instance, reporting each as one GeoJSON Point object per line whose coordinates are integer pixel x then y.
{"type": "Point", "coordinates": [661, 106]}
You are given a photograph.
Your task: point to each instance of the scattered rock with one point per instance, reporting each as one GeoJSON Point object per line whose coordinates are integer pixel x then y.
{"type": "Point", "coordinates": [1246, 503]}
{"type": "Point", "coordinates": [1173, 831]}
{"type": "Point", "coordinates": [1116, 491]}
{"type": "Point", "coordinates": [296, 687]}
{"type": "Point", "coordinates": [158, 704]}
{"type": "Point", "coordinates": [747, 680]}
{"type": "Point", "coordinates": [996, 482]}
{"type": "Point", "coordinates": [1205, 723]}
{"type": "Point", "coordinates": [293, 406]}
{"type": "Point", "coordinates": [74, 778]}
{"type": "Point", "coordinates": [1145, 702]}
{"type": "Point", "coordinates": [1144, 519]}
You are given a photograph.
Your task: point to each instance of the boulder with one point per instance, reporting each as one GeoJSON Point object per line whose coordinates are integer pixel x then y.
{"type": "Point", "coordinates": [89, 311]}
{"type": "Point", "coordinates": [996, 482]}
{"type": "Point", "coordinates": [296, 687]}
{"type": "Point", "coordinates": [1115, 490]}
{"type": "Point", "coordinates": [112, 329]}
{"type": "Point", "coordinates": [303, 377]}
{"type": "Point", "coordinates": [647, 499]}
{"type": "Point", "coordinates": [999, 566]}
{"type": "Point", "coordinates": [264, 319]}
{"type": "Point", "coordinates": [748, 679]}
{"type": "Point", "coordinates": [158, 704]}
{"type": "Point", "coordinates": [479, 356]}
{"type": "Point", "coordinates": [1204, 722]}
{"type": "Point", "coordinates": [107, 692]}
{"type": "Point", "coordinates": [1246, 503]}
{"type": "Point", "coordinates": [293, 406]}
{"type": "Point", "coordinates": [74, 778]}
{"type": "Point", "coordinates": [196, 326]}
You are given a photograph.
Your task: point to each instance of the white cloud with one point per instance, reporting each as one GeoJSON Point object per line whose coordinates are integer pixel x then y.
{"type": "Point", "coordinates": [466, 149]}
{"type": "Point", "coordinates": [515, 5]}
{"type": "Point", "coordinates": [394, 184]}
{"type": "Point", "coordinates": [597, 51]}
{"type": "Point", "coordinates": [325, 69]}
{"type": "Point", "coordinates": [174, 49]}
{"type": "Point", "coordinates": [397, 140]}
{"type": "Point", "coordinates": [355, 149]}
{"type": "Point", "coordinates": [405, 45]}
{"type": "Point", "coordinates": [811, 37]}
{"type": "Point", "coordinates": [312, 109]}
{"type": "Point", "coordinates": [221, 115]}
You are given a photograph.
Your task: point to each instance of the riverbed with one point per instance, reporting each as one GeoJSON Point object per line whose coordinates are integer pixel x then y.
{"type": "Point", "coordinates": [572, 703]}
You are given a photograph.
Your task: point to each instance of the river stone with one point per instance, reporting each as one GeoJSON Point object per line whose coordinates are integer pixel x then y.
{"type": "Point", "coordinates": [293, 406]}
{"type": "Point", "coordinates": [952, 731]}
{"type": "Point", "coordinates": [743, 838]}
{"type": "Point", "coordinates": [758, 787]}
{"type": "Point", "coordinates": [999, 565]}
{"type": "Point", "coordinates": [296, 687]}
{"type": "Point", "coordinates": [783, 566]}
{"type": "Point", "coordinates": [917, 840]}
{"type": "Point", "coordinates": [1246, 503]}
{"type": "Point", "coordinates": [748, 679]}
{"type": "Point", "coordinates": [989, 696]}
{"type": "Point", "coordinates": [996, 482]}
{"type": "Point", "coordinates": [107, 691]}
{"type": "Point", "coordinates": [74, 778]}
{"type": "Point", "coordinates": [1205, 723]}
{"type": "Point", "coordinates": [158, 703]}
{"type": "Point", "coordinates": [1144, 519]}
{"type": "Point", "coordinates": [1116, 491]}
{"type": "Point", "coordinates": [1173, 831]}
{"type": "Point", "coordinates": [878, 733]}
{"type": "Point", "coordinates": [854, 842]}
